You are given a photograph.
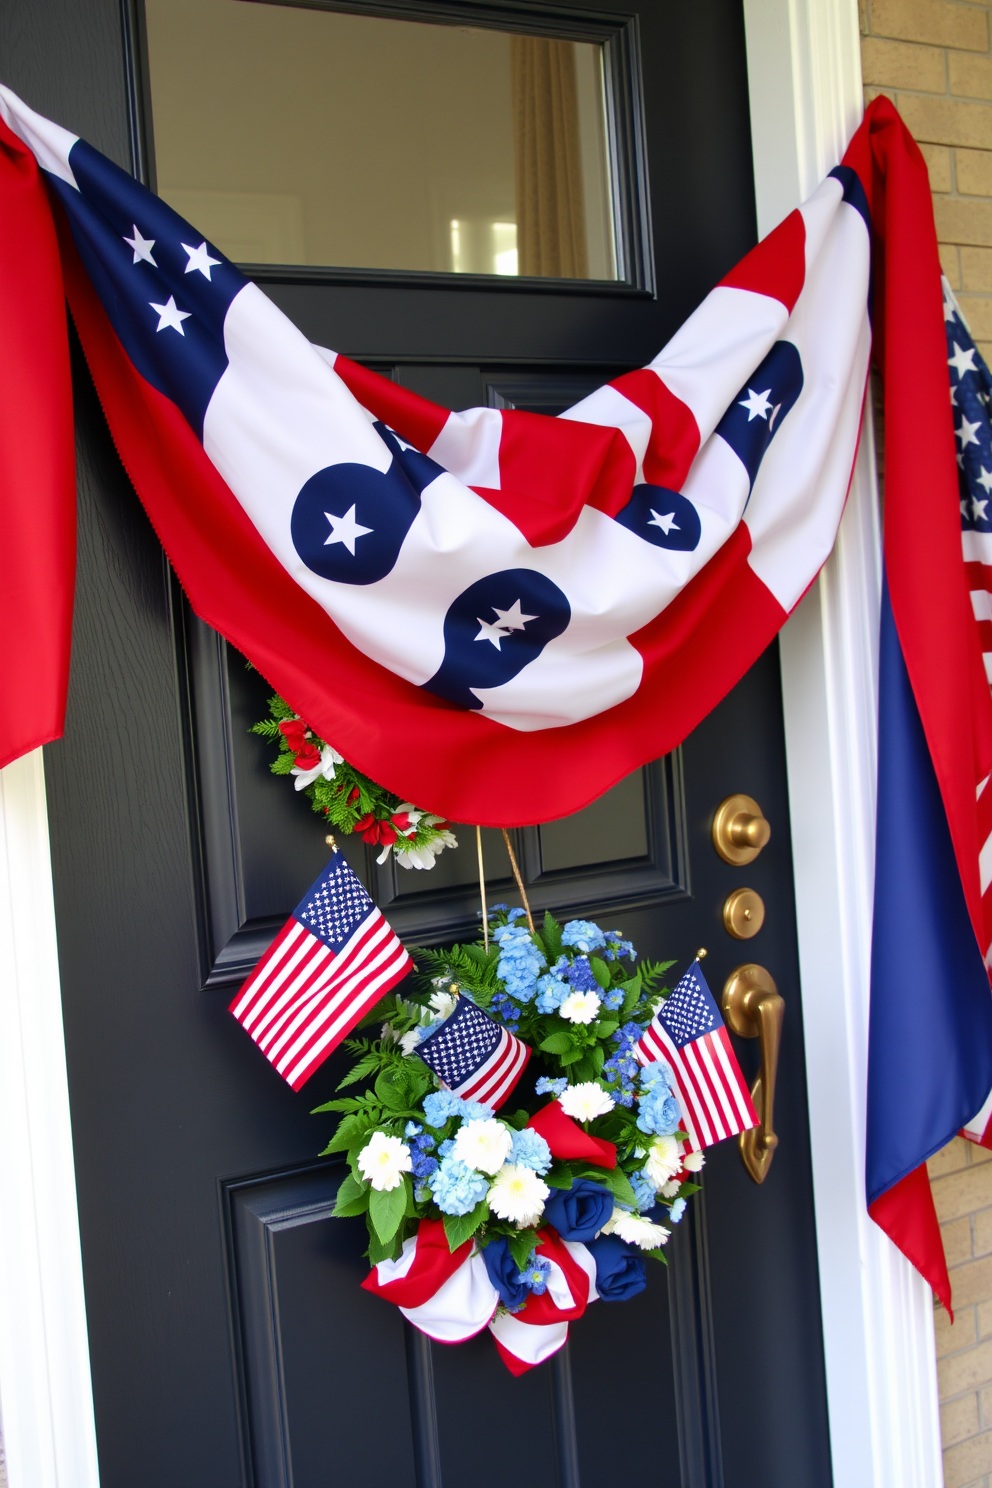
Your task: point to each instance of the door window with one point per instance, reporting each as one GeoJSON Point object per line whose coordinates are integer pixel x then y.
{"type": "Point", "coordinates": [308, 136]}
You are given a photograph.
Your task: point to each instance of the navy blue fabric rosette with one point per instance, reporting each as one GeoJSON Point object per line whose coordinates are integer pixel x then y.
{"type": "Point", "coordinates": [620, 1272]}
{"type": "Point", "coordinates": [504, 1273]}
{"type": "Point", "coordinates": [579, 1212]}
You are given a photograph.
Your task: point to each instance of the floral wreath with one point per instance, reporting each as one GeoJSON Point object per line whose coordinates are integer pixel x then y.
{"type": "Point", "coordinates": [346, 798]}
{"type": "Point", "coordinates": [516, 1222]}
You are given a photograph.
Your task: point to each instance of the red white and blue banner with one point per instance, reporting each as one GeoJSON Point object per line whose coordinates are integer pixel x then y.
{"type": "Point", "coordinates": [500, 614]}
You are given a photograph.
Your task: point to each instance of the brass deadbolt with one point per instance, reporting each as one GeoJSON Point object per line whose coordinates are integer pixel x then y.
{"type": "Point", "coordinates": [739, 830]}
{"type": "Point", "coordinates": [743, 914]}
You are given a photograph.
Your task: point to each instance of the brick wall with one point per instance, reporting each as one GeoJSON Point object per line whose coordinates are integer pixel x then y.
{"type": "Point", "coordinates": [933, 59]}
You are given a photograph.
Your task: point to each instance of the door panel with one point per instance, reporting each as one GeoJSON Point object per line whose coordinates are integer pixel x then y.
{"type": "Point", "coordinates": [231, 1344]}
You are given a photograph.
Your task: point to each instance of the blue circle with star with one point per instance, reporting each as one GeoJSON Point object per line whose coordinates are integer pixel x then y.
{"type": "Point", "coordinates": [349, 521]}
{"type": "Point", "coordinates": [662, 517]}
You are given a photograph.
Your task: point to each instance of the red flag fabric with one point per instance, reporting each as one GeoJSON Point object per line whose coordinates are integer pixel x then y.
{"type": "Point", "coordinates": [568, 1141]}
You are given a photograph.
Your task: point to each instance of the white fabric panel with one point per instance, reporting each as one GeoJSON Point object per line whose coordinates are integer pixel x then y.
{"type": "Point", "coordinates": [801, 488]}
{"type": "Point", "coordinates": [459, 1309]}
{"type": "Point", "coordinates": [49, 142]}
{"type": "Point", "coordinates": [977, 547]}
{"type": "Point", "coordinates": [587, 1261]}
{"type": "Point", "coordinates": [530, 1342]}
{"type": "Point", "coordinates": [712, 355]}
{"type": "Point", "coordinates": [468, 446]}
{"type": "Point", "coordinates": [981, 603]}
{"type": "Point", "coordinates": [388, 1271]}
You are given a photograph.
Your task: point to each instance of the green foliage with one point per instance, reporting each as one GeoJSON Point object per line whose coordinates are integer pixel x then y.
{"type": "Point", "coordinates": [461, 1227]}
{"type": "Point", "coordinates": [521, 1244]}
{"type": "Point", "coordinates": [387, 1208]}
{"type": "Point", "coordinates": [353, 1197]}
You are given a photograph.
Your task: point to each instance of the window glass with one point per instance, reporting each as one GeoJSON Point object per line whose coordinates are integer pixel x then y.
{"type": "Point", "coordinates": [305, 136]}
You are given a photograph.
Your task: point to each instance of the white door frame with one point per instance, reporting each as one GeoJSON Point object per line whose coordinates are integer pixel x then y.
{"type": "Point", "coordinates": [805, 83]}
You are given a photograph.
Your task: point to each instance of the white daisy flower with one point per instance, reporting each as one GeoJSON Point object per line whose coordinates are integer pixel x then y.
{"type": "Point", "coordinates": [586, 1101]}
{"type": "Point", "coordinates": [517, 1194]}
{"type": "Point", "coordinates": [663, 1160]}
{"type": "Point", "coordinates": [636, 1229]}
{"type": "Point", "coordinates": [483, 1145]}
{"type": "Point", "coordinates": [693, 1161]}
{"type": "Point", "coordinates": [443, 1004]}
{"type": "Point", "coordinates": [580, 1007]}
{"type": "Point", "coordinates": [383, 1161]}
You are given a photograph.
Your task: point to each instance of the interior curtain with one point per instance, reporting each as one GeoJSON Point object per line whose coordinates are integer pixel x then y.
{"type": "Point", "coordinates": [551, 229]}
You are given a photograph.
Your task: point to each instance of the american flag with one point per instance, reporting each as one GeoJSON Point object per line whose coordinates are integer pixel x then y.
{"type": "Point", "coordinates": [971, 400]}
{"type": "Point", "coordinates": [687, 1032]}
{"type": "Point", "coordinates": [475, 1056]}
{"type": "Point", "coordinates": [330, 963]}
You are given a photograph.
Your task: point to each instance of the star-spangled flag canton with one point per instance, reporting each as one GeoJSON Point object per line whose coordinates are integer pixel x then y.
{"type": "Point", "coordinates": [688, 1034]}
{"type": "Point", "coordinates": [328, 966]}
{"type": "Point", "coordinates": [474, 1056]}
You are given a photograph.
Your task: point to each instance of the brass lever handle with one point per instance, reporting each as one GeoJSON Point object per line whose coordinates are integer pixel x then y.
{"type": "Point", "coordinates": [753, 1008]}
{"type": "Point", "coordinates": [740, 830]}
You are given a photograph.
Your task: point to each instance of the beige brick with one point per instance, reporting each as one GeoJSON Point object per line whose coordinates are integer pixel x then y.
{"type": "Point", "coordinates": [965, 1371]}
{"type": "Point", "coordinates": [935, 21]}
{"type": "Point", "coordinates": [978, 314]}
{"type": "Point", "coordinates": [871, 93]}
{"type": "Point", "coordinates": [983, 1319]}
{"type": "Point", "coordinates": [957, 1335]}
{"type": "Point", "coordinates": [958, 1419]}
{"type": "Point", "coordinates": [985, 347]}
{"type": "Point", "coordinates": [973, 169]}
{"type": "Point", "coordinates": [961, 221]}
{"type": "Point", "coordinates": [971, 1189]}
{"type": "Point", "coordinates": [950, 262]}
{"type": "Point", "coordinates": [898, 64]}
{"type": "Point", "coordinates": [985, 1405]}
{"type": "Point", "coordinates": [981, 1232]}
{"type": "Point", "coordinates": [977, 1154]}
{"type": "Point", "coordinates": [968, 1461]}
{"type": "Point", "coordinates": [957, 1240]}
{"type": "Point", "coordinates": [945, 121]}
{"type": "Point", "coordinates": [938, 159]}
{"type": "Point", "coordinates": [973, 1283]}
{"type": "Point", "coordinates": [970, 77]}
{"type": "Point", "coordinates": [949, 1159]}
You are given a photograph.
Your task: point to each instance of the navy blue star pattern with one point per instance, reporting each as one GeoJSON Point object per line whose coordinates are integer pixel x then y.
{"type": "Point", "coordinates": [971, 399]}
{"type": "Point", "coordinates": [666, 518]}
{"type": "Point", "coordinates": [756, 414]}
{"type": "Point", "coordinates": [689, 1012]}
{"type": "Point", "coordinates": [462, 1044]}
{"type": "Point", "coordinates": [335, 906]}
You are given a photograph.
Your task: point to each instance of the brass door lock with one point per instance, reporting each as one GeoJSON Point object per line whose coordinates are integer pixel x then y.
{"type": "Point", "coordinates": [753, 1008]}
{"type": "Point", "coordinates": [739, 830]}
{"type": "Point", "coordinates": [743, 913]}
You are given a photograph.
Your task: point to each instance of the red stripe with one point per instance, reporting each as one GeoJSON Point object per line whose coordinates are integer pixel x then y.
{"type": "Point", "coordinates": [415, 419]}
{"type": "Point", "coordinates": [674, 441]}
{"type": "Point", "coordinates": [327, 998]}
{"type": "Point", "coordinates": [361, 1002]}
{"type": "Point", "coordinates": [322, 979]}
{"type": "Point", "coordinates": [777, 266]}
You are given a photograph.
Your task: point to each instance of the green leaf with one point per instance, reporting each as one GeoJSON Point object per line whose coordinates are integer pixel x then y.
{"type": "Point", "coordinates": [521, 1244]}
{"type": "Point", "coordinates": [551, 935]}
{"type": "Point", "coordinates": [382, 1251]}
{"type": "Point", "coordinates": [460, 1227]}
{"type": "Point", "coordinates": [685, 1189]}
{"type": "Point", "coordinates": [618, 1183]}
{"type": "Point", "coordinates": [585, 1070]}
{"type": "Point", "coordinates": [391, 1088]}
{"type": "Point", "coordinates": [560, 1176]}
{"type": "Point", "coordinates": [557, 1043]}
{"type": "Point", "coordinates": [517, 1121]}
{"type": "Point", "coordinates": [387, 1208]}
{"type": "Point", "coordinates": [363, 1068]}
{"type": "Point", "coordinates": [606, 1026]}
{"type": "Point", "coordinates": [353, 1197]}
{"type": "Point", "coordinates": [571, 1056]}
{"type": "Point", "coordinates": [657, 1255]}
{"type": "Point", "coordinates": [600, 970]}
{"type": "Point", "coordinates": [598, 1058]}
{"type": "Point", "coordinates": [351, 1132]}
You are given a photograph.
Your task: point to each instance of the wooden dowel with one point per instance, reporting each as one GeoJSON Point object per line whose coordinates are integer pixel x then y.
{"type": "Point", "coordinates": [519, 879]}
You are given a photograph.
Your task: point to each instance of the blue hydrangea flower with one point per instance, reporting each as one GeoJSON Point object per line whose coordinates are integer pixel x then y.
{"type": "Point", "coordinates": [424, 1143]}
{"type": "Point", "coordinates": [544, 1086]}
{"type": "Point", "coordinates": [659, 1112]}
{"type": "Point", "coordinates": [520, 961]}
{"type": "Point", "coordinates": [423, 1166]}
{"type": "Point", "coordinates": [413, 1129]}
{"type": "Point", "coordinates": [654, 1074]}
{"type": "Point", "coordinates": [617, 948]}
{"type": "Point", "coordinates": [551, 993]}
{"type": "Point", "coordinates": [614, 998]}
{"type": "Point", "coordinates": [475, 1111]}
{"type": "Point", "coordinates": [535, 1274]}
{"type": "Point", "coordinates": [457, 1188]}
{"type": "Point", "coordinates": [440, 1105]}
{"type": "Point", "coordinates": [530, 1149]}
{"type": "Point", "coordinates": [677, 1210]}
{"type": "Point", "coordinates": [623, 1097]}
{"type": "Point", "coordinates": [495, 909]}
{"type": "Point", "coordinates": [446, 1146]}
{"type": "Point", "coordinates": [515, 914]}
{"type": "Point", "coordinates": [583, 935]}
{"type": "Point", "coordinates": [645, 1194]}
{"type": "Point", "coordinates": [579, 974]}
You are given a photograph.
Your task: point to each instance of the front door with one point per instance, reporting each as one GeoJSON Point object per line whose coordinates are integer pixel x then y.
{"type": "Point", "coordinates": [420, 146]}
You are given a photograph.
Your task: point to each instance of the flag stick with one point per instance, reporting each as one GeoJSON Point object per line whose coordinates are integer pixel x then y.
{"type": "Point", "coordinates": [516, 874]}
{"type": "Point", "coordinates": [482, 888]}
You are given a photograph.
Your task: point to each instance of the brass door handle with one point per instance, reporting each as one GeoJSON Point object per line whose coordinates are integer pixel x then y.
{"type": "Point", "coordinates": [753, 1008]}
{"type": "Point", "coordinates": [739, 830]}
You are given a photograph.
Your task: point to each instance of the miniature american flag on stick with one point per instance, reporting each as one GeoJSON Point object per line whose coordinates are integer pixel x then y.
{"type": "Point", "coordinates": [475, 1056]}
{"type": "Point", "coordinates": [327, 967]}
{"type": "Point", "coordinates": [688, 1033]}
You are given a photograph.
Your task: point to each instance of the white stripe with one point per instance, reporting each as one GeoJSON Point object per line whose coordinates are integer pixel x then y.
{"type": "Point", "coordinates": [609, 408]}
{"type": "Point", "coordinates": [694, 1112]}
{"type": "Point", "coordinates": [318, 960]}
{"type": "Point", "coordinates": [468, 446]}
{"type": "Point", "coordinates": [336, 1008]}
{"type": "Point", "coordinates": [731, 1084]}
{"type": "Point", "coordinates": [369, 997]}
{"type": "Point", "coordinates": [461, 1307]}
{"type": "Point", "coordinates": [981, 604]}
{"type": "Point", "coordinates": [985, 864]}
{"type": "Point", "coordinates": [979, 1122]}
{"type": "Point", "coordinates": [987, 660]}
{"type": "Point", "coordinates": [264, 969]}
{"type": "Point", "coordinates": [341, 976]}
{"type": "Point", "coordinates": [532, 1343]}
{"type": "Point", "coordinates": [697, 1055]}
{"type": "Point", "coordinates": [977, 547]}
{"type": "Point", "coordinates": [49, 142]}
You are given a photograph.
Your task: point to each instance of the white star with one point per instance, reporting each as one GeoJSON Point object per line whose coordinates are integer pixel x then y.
{"type": "Point", "coordinates": [966, 433]}
{"type": "Point", "coordinates": [492, 632]}
{"type": "Point", "coordinates": [985, 480]}
{"type": "Point", "coordinates": [757, 404]}
{"type": "Point", "coordinates": [345, 530]}
{"type": "Point", "coordinates": [978, 509]}
{"type": "Point", "coordinates": [200, 259]}
{"type": "Point", "coordinates": [949, 311]}
{"type": "Point", "coordinates": [170, 316]}
{"type": "Point", "coordinates": [962, 361]}
{"type": "Point", "coordinates": [954, 397]}
{"type": "Point", "coordinates": [142, 247]}
{"type": "Point", "coordinates": [964, 508]}
{"type": "Point", "coordinates": [511, 619]}
{"type": "Point", "coordinates": [667, 524]}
